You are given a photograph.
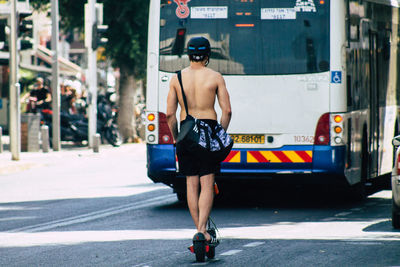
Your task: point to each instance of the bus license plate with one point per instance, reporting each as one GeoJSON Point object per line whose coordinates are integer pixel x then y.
{"type": "Point", "coordinates": [248, 138]}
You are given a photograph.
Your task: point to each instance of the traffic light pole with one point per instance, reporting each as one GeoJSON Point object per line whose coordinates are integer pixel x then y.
{"type": "Point", "coordinates": [55, 88]}
{"type": "Point", "coordinates": [90, 20]}
{"type": "Point", "coordinates": [15, 118]}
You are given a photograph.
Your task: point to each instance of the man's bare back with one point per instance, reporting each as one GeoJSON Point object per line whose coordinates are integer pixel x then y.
{"type": "Point", "coordinates": [201, 86]}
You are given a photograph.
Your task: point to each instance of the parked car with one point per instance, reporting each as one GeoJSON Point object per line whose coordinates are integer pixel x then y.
{"type": "Point", "coordinates": [396, 185]}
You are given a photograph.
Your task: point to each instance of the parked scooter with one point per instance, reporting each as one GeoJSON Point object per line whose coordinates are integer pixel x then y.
{"type": "Point", "coordinates": [75, 127]}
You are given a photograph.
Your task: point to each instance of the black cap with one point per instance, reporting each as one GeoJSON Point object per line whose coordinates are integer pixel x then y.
{"type": "Point", "coordinates": [198, 46]}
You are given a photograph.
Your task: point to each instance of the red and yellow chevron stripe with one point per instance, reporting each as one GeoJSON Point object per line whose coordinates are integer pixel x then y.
{"type": "Point", "coordinates": [279, 156]}
{"type": "Point", "coordinates": [233, 157]}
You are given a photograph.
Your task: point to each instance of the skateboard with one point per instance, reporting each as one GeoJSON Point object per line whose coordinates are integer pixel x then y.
{"type": "Point", "coordinates": [201, 248]}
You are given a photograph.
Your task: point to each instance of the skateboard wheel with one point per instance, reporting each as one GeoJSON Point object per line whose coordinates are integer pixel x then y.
{"type": "Point", "coordinates": [200, 251]}
{"type": "Point", "coordinates": [211, 252]}
{"type": "Point", "coordinates": [199, 247]}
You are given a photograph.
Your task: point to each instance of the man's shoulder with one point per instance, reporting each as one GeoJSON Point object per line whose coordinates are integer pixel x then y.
{"type": "Point", "coordinates": [213, 71]}
{"type": "Point", "coordinates": [174, 80]}
{"type": "Point", "coordinates": [204, 72]}
{"type": "Point", "coordinates": [174, 77]}
{"type": "Point", "coordinates": [214, 74]}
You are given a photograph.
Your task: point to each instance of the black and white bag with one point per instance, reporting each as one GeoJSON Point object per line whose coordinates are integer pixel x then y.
{"type": "Point", "coordinates": [199, 137]}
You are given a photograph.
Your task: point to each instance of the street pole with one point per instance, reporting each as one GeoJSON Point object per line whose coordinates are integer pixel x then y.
{"type": "Point", "coordinates": [15, 119]}
{"type": "Point", "coordinates": [90, 20]}
{"type": "Point", "coordinates": [55, 88]}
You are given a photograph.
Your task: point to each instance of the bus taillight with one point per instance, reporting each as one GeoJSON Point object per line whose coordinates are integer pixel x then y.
{"type": "Point", "coordinates": [151, 117]}
{"type": "Point", "coordinates": [322, 133]}
{"type": "Point", "coordinates": [151, 125]}
{"type": "Point", "coordinates": [338, 118]}
{"type": "Point", "coordinates": [398, 164]}
{"type": "Point", "coordinates": [337, 129]}
{"type": "Point", "coordinates": [337, 126]}
{"type": "Point", "coordinates": [164, 134]}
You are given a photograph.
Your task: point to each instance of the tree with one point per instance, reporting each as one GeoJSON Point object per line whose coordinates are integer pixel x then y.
{"type": "Point", "coordinates": [127, 44]}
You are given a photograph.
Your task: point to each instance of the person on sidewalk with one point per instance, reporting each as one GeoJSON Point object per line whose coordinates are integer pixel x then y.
{"type": "Point", "coordinates": [201, 86]}
{"type": "Point", "coordinates": [39, 97]}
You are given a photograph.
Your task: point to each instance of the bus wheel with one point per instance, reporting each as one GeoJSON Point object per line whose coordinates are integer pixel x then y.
{"type": "Point", "coordinates": [359, 190]}
{"type": "Point", "coordinates": [396, 133]}
{"type": "Point", "coordinates": [395, 215]}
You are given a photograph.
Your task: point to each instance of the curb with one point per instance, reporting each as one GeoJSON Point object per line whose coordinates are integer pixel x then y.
{"type": "Point", "coordinates": [30, 160]}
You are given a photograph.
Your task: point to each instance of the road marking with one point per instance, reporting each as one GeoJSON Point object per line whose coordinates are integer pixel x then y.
{"type": "Point", "coordinates": [231, 252]}
{"type": "Point", "coordinates": [17, 218]}
{"type": "Point", "coordinates": [14, 208]}
{"type": "Point", "coordinates": [253, 244]}
{"type": "Point", "coordinates": [329, 219]}
{"type": "Point", "coordinates": [349, 231]}
{"type": "Point", "coordinates": [330, 230]}
{"type": "Point", "coordinates": [352, 231]}
{"type": "Point", "coordinates": [371, 243]}
{"type": "Point", "coordinates": [356, 209]}
{"type": "Point", "coordinates": [161, 200]}
{"type": "Point", "coordinates": [343, 214]}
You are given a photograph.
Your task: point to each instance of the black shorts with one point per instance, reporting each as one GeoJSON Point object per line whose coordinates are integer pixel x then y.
{"type": "Point", "coordinates": [193, 164]}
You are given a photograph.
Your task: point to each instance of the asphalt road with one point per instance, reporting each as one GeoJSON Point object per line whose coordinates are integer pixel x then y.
{"type": "Point", "coordinates": [79, 208]}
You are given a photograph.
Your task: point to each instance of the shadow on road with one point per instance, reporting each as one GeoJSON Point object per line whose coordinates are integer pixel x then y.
{"type": "Point", "coordinates": [385, 226]}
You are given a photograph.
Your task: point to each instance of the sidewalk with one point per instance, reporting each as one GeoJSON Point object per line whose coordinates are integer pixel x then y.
{"type": "Point", "coordinates": [29, 160]}
{"type": "Point", "coordinates": [75, 173]}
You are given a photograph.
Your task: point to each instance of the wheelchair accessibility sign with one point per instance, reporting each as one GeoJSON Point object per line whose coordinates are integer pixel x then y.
{"type": "Point", "coordinates": [336, 77]}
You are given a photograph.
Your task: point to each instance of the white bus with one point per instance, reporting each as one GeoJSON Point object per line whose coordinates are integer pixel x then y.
{"type": "Point", "coordinates": [314, 86]}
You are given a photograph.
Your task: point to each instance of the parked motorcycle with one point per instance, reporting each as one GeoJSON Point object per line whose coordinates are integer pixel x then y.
{"type": "Point", "coordinates": [75, 127]}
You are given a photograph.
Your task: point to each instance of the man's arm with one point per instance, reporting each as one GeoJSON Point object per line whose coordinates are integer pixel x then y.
{"type": "Point", "coordinates": [25, 96]}
{"type": "Point", "coordinates": [172, 106]}
{"type": "Point", "coordinates": [224, 102]}
{"type": "Point", "coordinates": [48, 96]}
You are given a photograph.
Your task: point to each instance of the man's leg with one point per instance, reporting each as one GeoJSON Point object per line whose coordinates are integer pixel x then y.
{"type": "Point", "coordinates": [192, 192]}
{"type": "Point", "coordinates": [205, 203]}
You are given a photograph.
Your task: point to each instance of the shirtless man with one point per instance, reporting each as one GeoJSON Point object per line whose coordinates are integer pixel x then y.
{"type": "Point", "coordinates": [201, 85]}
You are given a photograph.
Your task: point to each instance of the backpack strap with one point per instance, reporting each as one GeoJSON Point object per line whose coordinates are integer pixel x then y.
{"type": "Point", "coordinates": [183, 92]}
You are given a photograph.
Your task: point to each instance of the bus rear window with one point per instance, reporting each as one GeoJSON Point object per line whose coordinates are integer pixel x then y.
{"type": "Point", "coordinates": [251, 37]}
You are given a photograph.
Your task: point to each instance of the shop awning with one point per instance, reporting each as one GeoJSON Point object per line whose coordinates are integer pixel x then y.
{"type": "Point", "coordinates": [66, 67]}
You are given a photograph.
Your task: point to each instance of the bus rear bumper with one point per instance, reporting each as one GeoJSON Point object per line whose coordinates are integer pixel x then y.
{"type": "Point", "coordinates": [329, 159]}
{"type": "Point", "coordinates": [323, 160]}
{"type": "Point", "coordinates": [326, 167]}
{"type": "Point", "coordinates": [161, 163]}
{"type": "Point", "coordinates": [288, 160]}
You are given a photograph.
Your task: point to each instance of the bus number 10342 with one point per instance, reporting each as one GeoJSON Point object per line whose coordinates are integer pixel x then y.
{"type": "Point", "coordinates": [304, 139]}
